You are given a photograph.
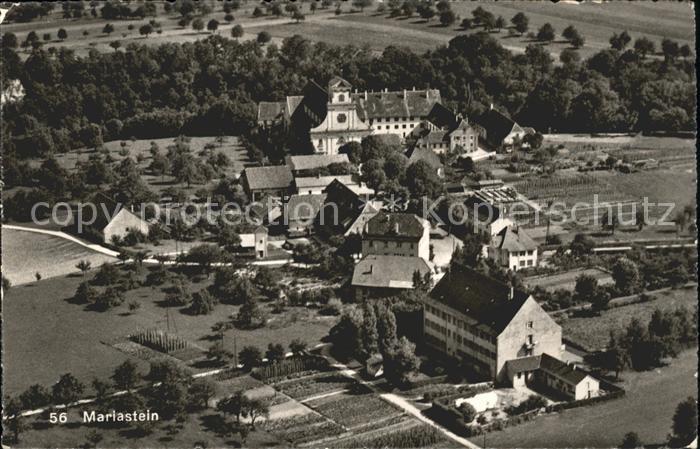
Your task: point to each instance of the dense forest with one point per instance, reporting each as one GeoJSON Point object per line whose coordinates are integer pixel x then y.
{"type": "Point", "coordinates": [211, 87]}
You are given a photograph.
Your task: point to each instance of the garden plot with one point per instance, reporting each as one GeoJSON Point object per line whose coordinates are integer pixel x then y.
{"type": "Point", "coordinates": [315, 385]}
{"type": "Point", "coordinates": [567, 279]}
{"type": "Point", "coordinates": [355, 410]}
{"type": "Point", "coordinates": [304, 429]}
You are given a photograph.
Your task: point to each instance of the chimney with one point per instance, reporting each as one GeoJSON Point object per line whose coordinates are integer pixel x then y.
{"type": "Point", "coordinates": [491, 106]}
{"type": "Point", "coordinates": [414, 88]}
{"type": "Point", "coordinates": [511, 294]}
{"type": "Point", "coordinates": [404, 94]}
{"type": "Point", "coordinates": [365, 95]}
{"type": "Point", "coordinates": [396, 227]}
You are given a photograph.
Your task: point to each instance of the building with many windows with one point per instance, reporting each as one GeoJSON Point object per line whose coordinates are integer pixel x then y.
{"type": "Point", "coordinates": [397, 234]}
{"type": "Point", "coordinates": [484, 323]}
{"type": "Point", "coordinates": [513, 249]}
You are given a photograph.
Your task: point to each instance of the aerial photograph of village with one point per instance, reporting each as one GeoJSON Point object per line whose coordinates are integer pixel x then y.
{"type": "Point", "coordinates": [348, 224]}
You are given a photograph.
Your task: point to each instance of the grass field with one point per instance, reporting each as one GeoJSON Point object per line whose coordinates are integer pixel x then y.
{"type": "Point", "coordinates": [595, 331]}
{"type": "Point", "coordinates": [26, 253]}
{"type": "Point", "coordinates": [597, 22]}
{"type": "Point", "coordinates": [567, 280]}
{"type": "Point", "coordinates": [46, 335]}
{"type": "Point", "coordinates": [647, 408]}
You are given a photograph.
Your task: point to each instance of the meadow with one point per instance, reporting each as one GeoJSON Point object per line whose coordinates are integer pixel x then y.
{"type": "Point", "coordinates": [596, 22]}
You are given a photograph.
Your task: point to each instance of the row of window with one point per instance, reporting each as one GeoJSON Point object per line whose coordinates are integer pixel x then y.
{"type": "Point", "coordinates": [461, 324]}
{"type": "Point", "coordinates": [386, 244]}
{"type": "Point", "coordinates": [473, 346]}
{"type": "Point", "coordinates": [396, 119]}
{"type": "Point", "coordinates": [529, 263]}
{"type": "Point", "coordinates": [379, 127]}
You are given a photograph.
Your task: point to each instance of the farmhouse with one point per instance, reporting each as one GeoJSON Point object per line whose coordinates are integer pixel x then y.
{"type": "Point", "coordinates": [377, 276]}
{"type": "Point", "coordinates": [459, 136]}
{"type": "Point", "coordinates": [500, 130]}
{"type": "Point", "coordinates": [341, 209]}
{"type": "Point", "coordinates": [302, 212]}
{"type": "Point", "coordinates": [484, 323]}
{"type": "Point", "coordinates": [549, 373]}
{"type": "Point", "coordinates": [335, 116]}
{"type": "Point", "coordinates": [397, 234]}
{"type": "Point", "coordinates": [110, 221]}
{"type": "Point", "coordinates": [274, 181]}
{"type": "Point", "coordinates": [512, 248]}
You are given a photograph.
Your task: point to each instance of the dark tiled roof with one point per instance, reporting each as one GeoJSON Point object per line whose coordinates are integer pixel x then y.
{"type": "Point", "coordinates": [545, 362]}
{"type": "Point", "coordinates": [513, 239]}
{"type": "Point", "coordinates": [497, 126]}
{"type": "Point", "coordinates": [268, 178]}
{"type": "Point", "coordinates": [322, 181]}
{"type": "Point", "coordinates": [409, 103]}
{"type": "Point", "coordinates": [424, 154]}
{"type": "Point", "coordinates": [304, 207]}
{"type": "Point", "coordinates": [482, 208]}
{"type": "Point", "coordinates": [442, 117]}
{"type": "Point", "coordinates": [395, 224]}
{"type": "Point", "coordinates": [309, 162]}
{"type": "Point", "coordinates": [388, 271]}
{"type": "Point", "coordinates": [270, 110]}
{"type": "Point", "coordinates": [480, 297]}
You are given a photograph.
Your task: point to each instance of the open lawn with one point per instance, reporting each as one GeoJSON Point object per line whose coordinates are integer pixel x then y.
{"type": "Point", "coordinates": [595, 331]}
{"type": "Point", "coordinates": [26, 253]}
{"type": "Point", "coordinates": [45, 334]}
{"type": "Point", "coordinates": [567, 279]}
{"type": "Point", "coordinates": [647, 409]}
{"type": "Point", "coordinates": [595, 21]}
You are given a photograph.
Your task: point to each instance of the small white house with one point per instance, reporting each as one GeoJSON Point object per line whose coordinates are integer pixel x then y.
{"type": "Point", "coordinates": [513, 249]}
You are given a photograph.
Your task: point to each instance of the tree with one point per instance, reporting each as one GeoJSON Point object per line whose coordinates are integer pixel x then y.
{"type": "Point", "coordinates": [219, 354]}
{"type": "Point", "coordinates": [520, 22]}
{"type": "Point", "coordinates": [586, 288]}
{"type": "Point", "coordinates": [386, 328]}
{"type": "Point", "coordinates": [9, 40]}
{"type": "Point", "coordinates": [16, 425]}
{"type": "Point", "coordinates": [264, 37]}
{"type": "Point", "coordinates": [346, 335]}
{"type": "Point", "coordinates": [84, 266]}
{"type": "Point", "coordinates": [626, 276]}
{"type": "Point", "coordinates": [422, 180]}
{"type": "Point", "coordinates": [447, 17]}
{"type": "Point", "coordinates": [125, 375]}
{"type": "Point", "coordinates": [275, 352]}
{"type": "Point", "coordinates": [250, 315]}
{"type": "Point", "coordinates": [213, 25]}
{"type": "Point", "coordinates": [108, 29]}
{"type": "Point", "coordinates": [236, 405]}
{"type": "Point", "coordinates": [616, 357]}
{"type": "Point", "coordinates": [620, 41]}
{"type": "Point", "coordinates": [68, 389]}
{"type": "Point", "coordinates": [297, 16]}
{"type": "Point", "coordinates": [205, 256]}
{"type": "Point", "coordinates": [169, 398]}
{"type": "Point", "coordinates": [427, 13]}
{"type": "Point", "coordinates": [298, 347]}
{"type": "Point", "coordinates": [468, 412]}
{"type": "Point", "coordinates": [370, 335]}
{"type": "Point", "coordinates": [644, 46]}
{"type": "Point", "coordinates": [631, 441]}
{"type": "Point", "coordinates": [115, 45]}
{"type": "Point", "coordinates": [546, 33]}
{"type": "Point", "coordinates": [256, 408]}
{"type": "Point", "coordinates": [362, 4]}
{"type": "Point", "coordinates": [198, 25]}
{"type": "Point", "coordinates": [201, 391]}
{"type": "Point", "coordinates": [569, 33]}
{"type": "Point", "coordinates": [229, 18]}
{"type": "Point", "coordinates": [202, 303]}
{"type": "Point", "coordinates": [34, 397]}
{"type": "Point", "coordinates": [685, 423]}
{"type": "Point", "coordinates": [145, 30]}
{"type": "Point", "coordinates": [236, 31]}
{"type": "Point", "coordinates": [250, 357]}
{"type": "Point", "coordinates": [400, 362]}
{"type": "Point", "coordinates": [578, 41]}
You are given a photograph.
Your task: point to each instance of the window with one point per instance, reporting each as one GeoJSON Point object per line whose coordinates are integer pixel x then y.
{"type": "Point", "coordinates": [396, 126]}
{"type": "Point", "coordinates": [529, 339]}
{"type": "Point", "coordinates": [522, 263]}
{"type": "Point", "coordinates": [529, 325]}
{"type": "Point", "coordinates": [379, 127]}
{"type": "Point", "coordinates": [342, 118]}
{"type": "Point", "coordinates": [398, 244]}
{"type": "Point", "coordinates": [403, 126]}
{"type": "Point", "coordinates": [341, 98]}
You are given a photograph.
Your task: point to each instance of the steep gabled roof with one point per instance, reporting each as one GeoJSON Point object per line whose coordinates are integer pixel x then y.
{"type": "Point", "coordinates": [394, 224]}
{"type": "Point", "coordinates": [305, 207]}
{"type": "Point", "coordinates": [442, 117]}
{"type": "Point", "coordinates": [388, 271]}
{"type": "Point", "coordinates": [497, 125]}
{"type": "Point", "coordinates": [270, 110]}
{"type": "Point", "coordinates": [567, 371]}
{"type": "Point", "coordinates": [424, 154]}
{"type": "Point", "coordinates": [490, 302]}
{"type": "Point", "coordinates": [275, 177]}
{"type": "Point", "coordinates": [409, 103]}
{"type": "Point", "coordinates": [485, 211]}
{"type": "Point", "coordinates": [513, 240]}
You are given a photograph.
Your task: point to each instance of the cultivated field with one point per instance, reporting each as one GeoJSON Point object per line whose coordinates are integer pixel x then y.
{"type": "Point", "coordinates": [595, 331]}
{"type": "Point", "coordinates": [597, 22]}
{"type": "Point", "coordinates": [45, 334]}
{"type": "Point", "coordinates": [647, 409]}
{"type": "Point", "coordinates": [26, 253]}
